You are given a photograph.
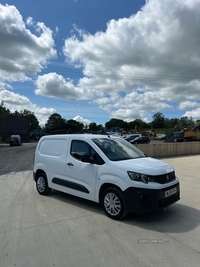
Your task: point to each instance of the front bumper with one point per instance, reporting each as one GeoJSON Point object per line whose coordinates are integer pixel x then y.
{"type": "Point", "coordinates": [140, 200]}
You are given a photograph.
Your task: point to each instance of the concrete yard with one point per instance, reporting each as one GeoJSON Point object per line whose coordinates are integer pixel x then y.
{"type": "Point", "coordinates": [64, 231]}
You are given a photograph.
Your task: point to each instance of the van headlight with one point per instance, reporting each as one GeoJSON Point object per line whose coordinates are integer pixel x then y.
{"type": "Point", "coordinates": [139, 177]}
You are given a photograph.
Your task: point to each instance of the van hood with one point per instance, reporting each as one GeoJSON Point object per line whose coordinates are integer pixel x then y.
{"type": "Point", "coordinates": [147, 165]}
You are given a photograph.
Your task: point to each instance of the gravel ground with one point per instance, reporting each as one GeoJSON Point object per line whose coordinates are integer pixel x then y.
{"type": "Point", "coordinates": [16, 158]}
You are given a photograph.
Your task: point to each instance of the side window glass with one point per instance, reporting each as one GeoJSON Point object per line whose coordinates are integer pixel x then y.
{"type": "Point", "coordinates": [79, 148]}
{"type": "Point", "coordinates": [98, 160]}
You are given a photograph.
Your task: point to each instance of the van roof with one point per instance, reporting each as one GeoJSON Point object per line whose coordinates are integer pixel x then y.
{"type": "Point", "coordinates": [84, 136]}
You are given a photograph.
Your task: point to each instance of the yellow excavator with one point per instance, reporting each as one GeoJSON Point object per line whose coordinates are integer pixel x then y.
{"type": "Point", "coordinates": [191, 133]}
{"type": "Point", "coordinates": [187, 134]}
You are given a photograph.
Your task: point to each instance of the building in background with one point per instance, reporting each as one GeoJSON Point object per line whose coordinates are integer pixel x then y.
{"type": "Point", "coordinates": [10, 125]}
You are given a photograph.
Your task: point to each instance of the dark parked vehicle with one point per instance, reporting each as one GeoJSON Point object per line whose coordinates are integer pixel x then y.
{"type": "Point", "coordinates": [15, 141]}
{"type": "Point", "coordinates": [167, 136]}
{"type": "Point", "coordinates": [37, 134]}
{"type": "Point", "coordinates": [141, 140]}
{"type": "Point", "coordinates": [130, 138]}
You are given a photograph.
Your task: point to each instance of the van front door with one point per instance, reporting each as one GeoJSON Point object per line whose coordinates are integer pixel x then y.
{"type": "Point", "coordinates": [81, 176]}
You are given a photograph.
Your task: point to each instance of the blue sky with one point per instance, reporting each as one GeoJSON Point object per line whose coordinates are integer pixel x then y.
{"type": "Point", "coordinates": [93, 60]}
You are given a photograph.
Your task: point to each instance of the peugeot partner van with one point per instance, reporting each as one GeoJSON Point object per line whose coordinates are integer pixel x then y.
{"type": "Point", "coordinates": [110, 171]}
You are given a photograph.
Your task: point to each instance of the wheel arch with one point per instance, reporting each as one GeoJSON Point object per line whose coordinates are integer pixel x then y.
{"type": "Point", "coordinates": [39, 171]}
{"type": "Point", "coordinates": [105, 186]}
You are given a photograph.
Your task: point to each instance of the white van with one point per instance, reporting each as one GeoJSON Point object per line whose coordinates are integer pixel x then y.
{"type": "Point", "coordinates": [107, 170]}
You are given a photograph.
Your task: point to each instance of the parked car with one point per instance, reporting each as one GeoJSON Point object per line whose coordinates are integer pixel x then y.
{"type": "Point", "coordinates": [15, 140]}
{"type": "Point", "coordinates": [132, 137]}
{"type": "Point", "coordinates": [141, 140]}
{"type": "Point", "coordinates": [107, 170]}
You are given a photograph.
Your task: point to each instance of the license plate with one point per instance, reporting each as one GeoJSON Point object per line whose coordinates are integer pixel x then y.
{"type": "Point", "coordinates": [170, 192]}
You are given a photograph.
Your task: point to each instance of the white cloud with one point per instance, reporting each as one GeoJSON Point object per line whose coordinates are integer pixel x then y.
{"type": "Point", "coordinates": [22, 52]}
{"type": "Point", "coordinates": [188, 105]}
{"type": "Point", "coordinates": [57, 29]}
{"type": "Point", "coordinates": [13, 102]}
{"type": "Point", "coordinates": [54, 85]}
{"type": "Point", "coordinates": [29, 21]}
{"type": "Point", "coordinates": [195, 114]}
{"type": "Point", "coordinates": [82, 120]}
{"type": "Point", "coordinates": [156, 49]}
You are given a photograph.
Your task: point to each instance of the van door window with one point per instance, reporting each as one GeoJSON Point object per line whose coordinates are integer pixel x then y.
{"type": "Point", "coordinates": [80, 148]}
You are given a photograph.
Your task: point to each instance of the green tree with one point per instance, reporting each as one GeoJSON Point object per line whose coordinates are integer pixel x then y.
{"type": "Point", "coordinates": [55, 122]}
{"type": "Point", "coordinates": [146, 125]}
{"type": "Point", "coordinates": [158, 121]}
{"type": "Point", "coordinates": [58, 125]}
{"type": "Point", "coordinates": [74, 126]}
{"type": "Point", "coordinates": [187, 122]}
{"type": "Point", "coordinates": [93, 127]}
{"type": "Point", "coordinates": [16, 113]}
{"type": "Point", "coordinates": [138, 124]}
{"type": "Point", "coordinates": [30, 117]}
{"type": "Point", "coordinates": [116, 123]}
{"type": "Point", "coordinates": [171, 123]}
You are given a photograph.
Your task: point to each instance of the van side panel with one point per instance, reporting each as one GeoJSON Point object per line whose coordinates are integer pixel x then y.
{"type": "Point", "coordinates": [54, 148]}
{"type": "Point", "coordinates": [51, 157]}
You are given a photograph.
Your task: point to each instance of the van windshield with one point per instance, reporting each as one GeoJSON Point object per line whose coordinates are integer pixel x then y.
{"type": "Point", "coordinates": [118, 149]}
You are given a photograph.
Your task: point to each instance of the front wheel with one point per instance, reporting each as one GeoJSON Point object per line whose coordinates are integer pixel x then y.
{"type": "Point", "coordinates": [42, 184]}
{"type": "Point", "coordinates": [113, 203]}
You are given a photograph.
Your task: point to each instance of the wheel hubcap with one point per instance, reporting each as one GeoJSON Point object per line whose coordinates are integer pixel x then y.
{"type": "Point", "coordinates": [41, 184]}
{"type": "Point", "coordinates": [112, 204]}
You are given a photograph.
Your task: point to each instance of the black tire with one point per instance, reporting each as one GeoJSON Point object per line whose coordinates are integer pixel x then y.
{"type": "Point", "coordinates": [113, 203]}
{"type": "Point", "coordinates": [42, 184]}
{"type": "Point", "coordinates": [37, 137]}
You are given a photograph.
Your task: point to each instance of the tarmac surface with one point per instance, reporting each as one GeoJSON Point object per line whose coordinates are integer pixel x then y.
{"type": "Point", "coordinates": [65, 231]}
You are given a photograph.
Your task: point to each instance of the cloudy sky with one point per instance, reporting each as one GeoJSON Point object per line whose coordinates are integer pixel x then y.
{"type": "Point", "coordinates": [93, 60]}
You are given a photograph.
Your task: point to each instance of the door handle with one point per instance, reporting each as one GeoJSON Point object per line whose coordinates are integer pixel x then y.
{"type": "Point", "coordinates": [70, 164]}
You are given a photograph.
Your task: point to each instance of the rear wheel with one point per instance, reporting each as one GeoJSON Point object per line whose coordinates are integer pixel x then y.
{"type": "Point", "coordinates": [37, 137]}
{"type": "Point", "coordinates": [42, 184]}
{"type": "Point", "coordinates": [113, 203]}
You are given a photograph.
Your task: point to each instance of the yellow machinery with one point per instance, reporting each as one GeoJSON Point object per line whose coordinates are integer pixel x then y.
{"type": "Point", "coordinates": [191, 133]}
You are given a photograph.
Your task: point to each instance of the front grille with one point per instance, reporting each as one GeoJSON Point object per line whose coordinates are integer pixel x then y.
{"type": "Point", "coordinates": [164, 178]}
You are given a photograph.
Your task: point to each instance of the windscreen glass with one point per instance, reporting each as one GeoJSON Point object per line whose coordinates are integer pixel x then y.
{"type": "Point", "coordinates": [118, 149]}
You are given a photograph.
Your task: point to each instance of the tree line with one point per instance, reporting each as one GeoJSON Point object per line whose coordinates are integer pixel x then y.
{"type": "Point", "coordinates": [58, 125]}
{"type": "Point", "coordinates": [158, 123]}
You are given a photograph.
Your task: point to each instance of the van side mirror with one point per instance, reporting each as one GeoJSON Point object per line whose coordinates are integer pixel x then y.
{"type": "Point", "coordinates": [88, 159]}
